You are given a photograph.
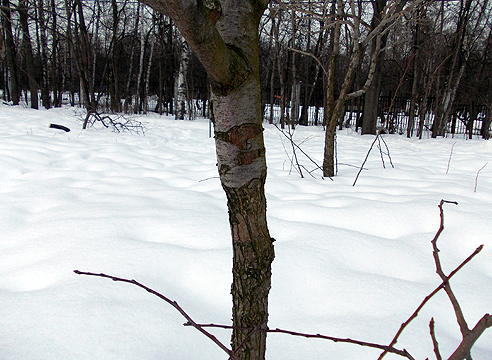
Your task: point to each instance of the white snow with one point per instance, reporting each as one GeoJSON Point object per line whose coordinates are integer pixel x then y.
{"type": "Point", "coordinates": [350, 261]}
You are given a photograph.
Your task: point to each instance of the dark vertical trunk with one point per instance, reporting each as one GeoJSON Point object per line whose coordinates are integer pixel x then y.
{"type": "Point", "coordinates": [274, 64]}
{"type": "Point", "coordinates": [486, 131]}
{"type": "Point", "coordinates": [114, 88]}
{"type": "Point", "coordinates": [413, 100]}
{"type": "Point", "coordinates": [27, 47]}
{"type": "Point", "coordinates": [56, 69]}
{"type": "Point", "coordinates": [43, 50]}
{"type": "Point", "coordinates": [11, 53]}
{"type": "Point", "coordinates": [369, 118]}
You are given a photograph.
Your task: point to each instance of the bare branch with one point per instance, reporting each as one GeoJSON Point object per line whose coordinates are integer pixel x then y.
{"type": "Point", "coordinates": [450, 154]}
{"type": "Point", "coordinates": [476, 178]}
{"type": "Point", "coordinates": [465, 347]}
{"type": "Point", "coordinates": [443, 284]}
{"type": "Point", "coordinates": [434, 340]}
{"type": "Point", "coordinates": [447, 288]}
{"type": "Point", "coordinates": [173, 303]}
{"type": "Point", "coordinates": [390, 349]}
{"type": "Point", "coordinates": [299, 148]}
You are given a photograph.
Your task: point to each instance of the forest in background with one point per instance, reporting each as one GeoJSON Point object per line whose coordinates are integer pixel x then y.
{"type": "Point", "coordinates": [408, 66]}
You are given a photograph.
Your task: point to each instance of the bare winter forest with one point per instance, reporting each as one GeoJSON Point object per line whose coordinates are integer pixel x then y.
{"type": "Point", "coordinates": [418, 66]}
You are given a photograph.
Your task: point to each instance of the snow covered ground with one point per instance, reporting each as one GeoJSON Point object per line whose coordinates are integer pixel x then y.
{"type": "Point", "coordinates": [350, 261]}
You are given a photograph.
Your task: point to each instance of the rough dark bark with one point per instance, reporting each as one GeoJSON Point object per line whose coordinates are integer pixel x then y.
{"type": "Point", "coordinates": [27, 47]}
{"type": "Point", "coordinates": [43, 50]}
{"type": "Point", "coordinates": [369, 118]}
{"type": "Point", "coordinates": [10, 53]}
{"type": "Point", "coordinates": [224, 36]}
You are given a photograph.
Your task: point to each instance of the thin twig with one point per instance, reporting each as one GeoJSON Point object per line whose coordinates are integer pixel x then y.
{"type": "Point", "coordinates": [428, 297]}
{"type": "Point", "coordinates": [387, 152]}
{"type": "Point", "coordinates": [476, 178]}
{"type": "Point", "coordinates": [456, 306]}
{"type": "Point", "coordinates": [389, 349]}
{"type": "Point", "coordinates": [450, 154]}
{"type": "Point", "coordinates": [434, 339]}
{"type": "Point", "coordinates": [302, 151]}
{"type": "Point", "coordinates": [385, 121]}
{"type": "Point", "coordinates": [173, 303]}
{"type": "Point", "coordinates": [381, 152]}
{"type": "Point", "coordinates": [445, 280]}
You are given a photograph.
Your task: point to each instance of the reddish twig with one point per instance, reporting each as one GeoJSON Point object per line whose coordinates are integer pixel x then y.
{"type": "Point", "coordinates": [173, 303]}
{"type": "Point", "coordinates": [434, 339]}
{"type": "Point", "coordinates": [443, 284]}
{"type": "Point", "coordinates": [389, 349]}
{"type": "Point", "coordinates": [476, 178]}
{"type": "Point", "coordinates": [450, 154]}
{"type": "Point", "coordinates": [447, 288]}
{"type": "Point", "coordinates": [464, 349]}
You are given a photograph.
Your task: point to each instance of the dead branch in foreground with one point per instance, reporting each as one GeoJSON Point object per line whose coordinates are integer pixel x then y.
{"type": "Point", "coordinates": [170, 302]}
{"type": "Point", "coordinates": [469, 336]}
{"type": "Point", "coordinates": [231, 353]}
{"type": "Point", "coordinates": [462, 352]}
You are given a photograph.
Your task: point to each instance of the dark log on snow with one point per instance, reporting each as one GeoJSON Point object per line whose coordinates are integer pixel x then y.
{"type": "Point", "coordinates": [61, 127]}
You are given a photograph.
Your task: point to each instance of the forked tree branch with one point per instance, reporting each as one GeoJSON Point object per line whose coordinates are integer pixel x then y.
{"type": "Point", "coordinates": [462, 352]}
{"type": "Point", "coordinates": [447, 288]}
{"type": "Point", "coordinates": [173, 303]}
{"type": "Point", "coordinates": [200, 327]}
{"type": "Point", "coordinates": [471, 336]}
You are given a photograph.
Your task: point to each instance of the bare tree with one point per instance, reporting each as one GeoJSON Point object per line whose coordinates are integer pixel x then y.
{"type": "Point", "coordinates": [224, 36]}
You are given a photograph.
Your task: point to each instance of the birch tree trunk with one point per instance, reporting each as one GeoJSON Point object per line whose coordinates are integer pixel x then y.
{"type": "Point", "coordinates": [181, 92]}
{"type": "Point", "coordinates": [224, 36]}
{"type": "Point", "coordinates": [147, 76]}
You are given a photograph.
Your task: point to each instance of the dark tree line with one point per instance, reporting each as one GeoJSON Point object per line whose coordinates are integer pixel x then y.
{"type": "Point", "coordinates": [105, 55]}
{"type": "Point", "coordinates": [121, 56]}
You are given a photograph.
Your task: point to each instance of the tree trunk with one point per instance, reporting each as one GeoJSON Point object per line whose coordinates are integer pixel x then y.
{"type": "Point", "coordinates": [147, 76]}
{"type": "Point", "coordinates": [11, 53]}
{"type": "Point", "coordinates": [26, 44]}
{"type": "Point", "coordinates": [181, 92]}
{"type": "Point", "coordinates": [371, 102]}
{"type": "Point", "coordinates": [224, 36]}
{"type": "Point", "coordinates": [56, 71]}
{"type": "Point", "coordinates": [332, 120]}
{"type": "Point", "coordinates": [485, 131]}
{"type": "Point", "coordinates": [413, 100]}
{"type": "Point", "coordinates": [43, 50]}
{"type": "Point", "coordinates": [114, 87]}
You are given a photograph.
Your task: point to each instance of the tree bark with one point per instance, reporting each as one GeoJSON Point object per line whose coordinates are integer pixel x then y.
{"type": "Point", "coordinates": [371, 102]}
{"type": "Point", "coordinates": [11, 53]}
{"type": "Point", "coordinates": [181, 92]}
{"type": "Point", "coordinates": [224, 36]}
{"type": "Point", "coordinates": [26, 44]}
{"type": "Point", "coordinates": [43, 50]}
